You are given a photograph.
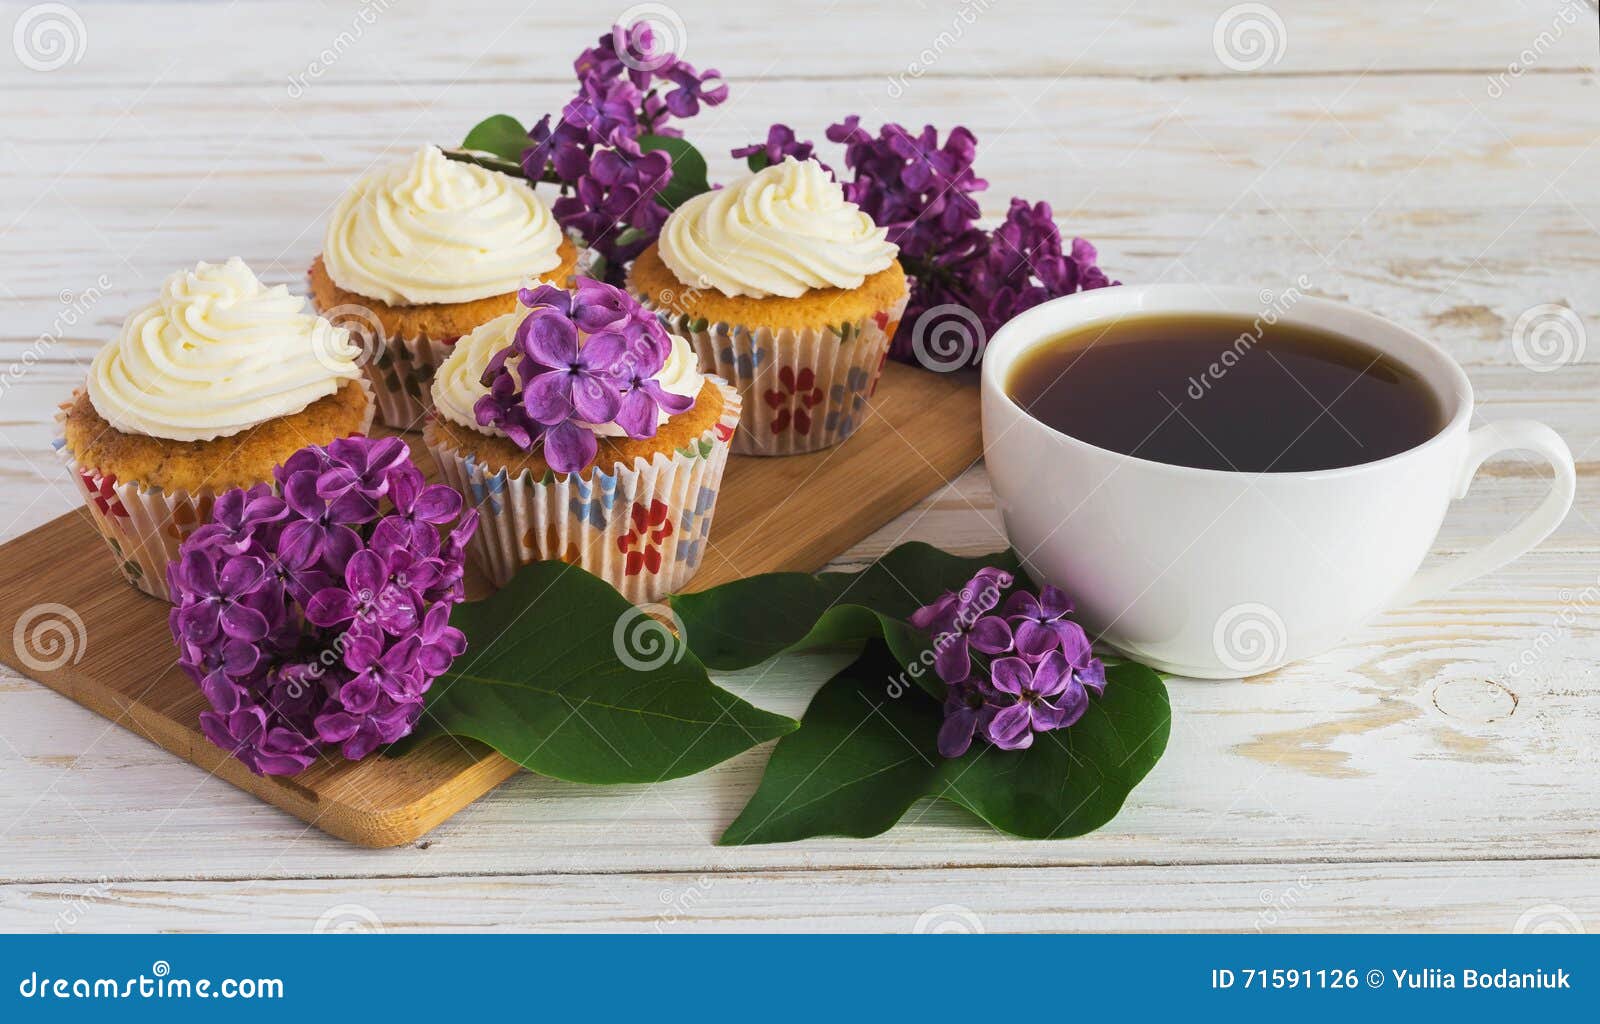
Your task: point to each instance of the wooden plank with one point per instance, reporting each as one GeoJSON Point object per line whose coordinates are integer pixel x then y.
{"type": "Point", "coordinates": [1397, 746]}
{"type": "Point", "coordinates": [774, 514]}
{"type": "Point", "coordinates": [1492, 896]}
{"type": "Point", "coordinates": [397, 46]}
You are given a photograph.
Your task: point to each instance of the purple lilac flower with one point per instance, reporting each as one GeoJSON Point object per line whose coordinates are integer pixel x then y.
{"type": "Point", "coordinates": [781, 142]}
{"type": "Point", "coordinates": [1032, 697]}
{"type": "Point", "coordinates": [321, 618]}
{"type": "Point", "coordinates": [966, 712]}
{"type": "Point", "coordinates": [958, 623]}
{"type": "Point", "coordinates": [1040, 625]}
{"type": "Point", "coordinates": [1012, 676]}
{"type": "Point", "coordinates": [644, 399]}
{"type": "Point", "coordinates": [579, 360]}
{"type": "Point", "coordinates": [922, 192]}
{"type": "Point", "coordinates": [627, 88]}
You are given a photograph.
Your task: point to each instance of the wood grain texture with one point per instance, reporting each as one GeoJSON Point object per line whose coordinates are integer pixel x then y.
{"type": "Point", "coordinates": [1371, 157]}
{"type": "Point", "coordinates": [774, 515]}
{"type": "Point", "coordinates": [1470, 896]}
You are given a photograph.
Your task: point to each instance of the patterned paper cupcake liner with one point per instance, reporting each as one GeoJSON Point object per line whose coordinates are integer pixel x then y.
{"type": "Point", "coordinates": [401, 369]}
{"type": "Point", "coordinates": [401, 372]}
{"type": "Point", "coordinates": [144, 526]}
{"type": "Point", "coordinates": [641, 528]}
{"type": "Point", "coordinates": [803, 390]}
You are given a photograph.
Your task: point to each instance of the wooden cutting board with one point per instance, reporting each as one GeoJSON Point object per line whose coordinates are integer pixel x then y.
{"type": "Point", "coordinates": [774, 514]}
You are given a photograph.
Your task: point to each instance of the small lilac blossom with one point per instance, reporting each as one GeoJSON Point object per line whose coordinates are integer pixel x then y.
{"type": "Point", "coordinates": [1040, 625]}
{"type": "Point", "coordinates": [966, 712]}
{"type": "Point", "coordinates": [611, 188]}
{"type": "Point", "coordinates": [1032, 698]}
{"type": "Point", "coordinates": [1011, 676]}
{"type": "Point", "coordinates": [922, 192]}
{"type": "Point", "coordinates": [959, 624]}
{"type": "Point", "coordinates": [321, 618]}
{"type": "Point", "coordinates": [781, 142]}
{"type": "Point", "coordinates": [578, 361]}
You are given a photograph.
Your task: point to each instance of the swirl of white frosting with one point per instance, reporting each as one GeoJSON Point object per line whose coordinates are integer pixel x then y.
{"type": "Point", "coordinates": [218, 353]}
{"type": "Point", "coordinates": [783, 231]}
{"type": "Point", "coordinates": [458, 384]}
{"type": "Point", "coordinates": [435, 230]}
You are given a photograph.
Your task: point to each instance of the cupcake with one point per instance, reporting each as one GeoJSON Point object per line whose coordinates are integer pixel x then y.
{"type": "Point", "coordinates": [206, 389]}
{"type": "Point", "coordinates": [423, 251]}
{"type": "Point", "coordinates": [583, 432]}
{"type": "Point", "coordinates": [786, 290]}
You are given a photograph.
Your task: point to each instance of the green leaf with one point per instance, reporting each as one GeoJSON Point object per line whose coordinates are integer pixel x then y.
{"type": "Point", "coordinates": [688, 169]}
{"type": "Point", "coordinates": [864, 755]}
{"type": "Point", "coordinates": [501, 135]}
{"type": "Point", "coordinates": [745, 622]}
{"type": "Point", "coordinates": [558, 677]}
{"type": "Point", "coordinates": [758, 161]}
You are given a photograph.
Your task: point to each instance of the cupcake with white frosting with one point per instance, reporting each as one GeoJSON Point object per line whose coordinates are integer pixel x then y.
{"type": "Point", "coordinates": [616, 471]}
{"type": "Point", "coordinates": [788, 291]}
{"type": "Point", "coordinates": [208, 388]}
{"type": "Point", "coordinates": [419, 253]}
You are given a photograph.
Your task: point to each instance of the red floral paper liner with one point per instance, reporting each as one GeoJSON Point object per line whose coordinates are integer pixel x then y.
{"type": "Point", "coordinates": [642, 528]}
{"type": "Point", "coordinates": [144, 526]}
{"type": "Point", "coordinates": [803, 390]}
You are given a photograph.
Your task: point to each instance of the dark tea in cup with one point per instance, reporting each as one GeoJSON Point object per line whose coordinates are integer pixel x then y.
{"type": "Point", "coordinates": [1226, 393]}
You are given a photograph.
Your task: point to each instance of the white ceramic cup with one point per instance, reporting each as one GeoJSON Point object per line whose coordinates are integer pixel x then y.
{"type": "Point", "coordinates": [1217, 574]}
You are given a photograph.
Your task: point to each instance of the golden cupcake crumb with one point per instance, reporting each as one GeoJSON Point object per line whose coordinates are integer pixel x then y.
{"type": "Point", "coordinates": [439, 321]}
{"type": "Point", "coordinates": [240, 460]}
{"type": "Point", "coordinates": [822, 307]}
{"type": "Point", "coordinates": [499, 452]}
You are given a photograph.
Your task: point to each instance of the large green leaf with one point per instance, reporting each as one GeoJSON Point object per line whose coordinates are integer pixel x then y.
{"type": "Point", "coordinates": [745, 622]}
{"type": "Point", "coordinates": [689, 172]}
{"type": "Point", "coordinates": [866, 751]}
{"type": "Point", "coordinates": [555, 678]}
{"type": "Point", "coordinates": [501, 135]}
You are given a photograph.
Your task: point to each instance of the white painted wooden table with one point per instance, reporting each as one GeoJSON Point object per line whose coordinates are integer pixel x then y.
{"type": "Point", "coordinates": [1436, 163]}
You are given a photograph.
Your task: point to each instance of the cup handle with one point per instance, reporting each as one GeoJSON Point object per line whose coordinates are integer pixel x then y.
{"type": "Point", "coordinates": [1482, 445]}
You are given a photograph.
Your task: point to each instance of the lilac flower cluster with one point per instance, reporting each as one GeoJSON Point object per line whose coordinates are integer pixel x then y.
{"type": "Point", "coordinates": [610, 187]}
{"type": "Point", "coordinates": [321, 616]}
{"type": "Point", "coordinates": [1026, 670]}
{"type": "Point", "coordinates": [582, 358]}
{"type": "Point", "coordinates": [781, 142]}
{"type": "Point", "coordinates": [922, 192]}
